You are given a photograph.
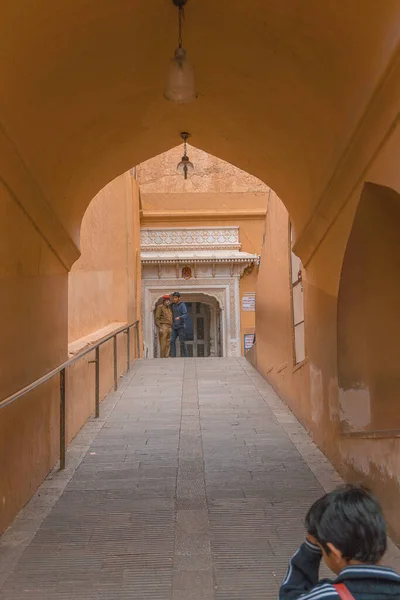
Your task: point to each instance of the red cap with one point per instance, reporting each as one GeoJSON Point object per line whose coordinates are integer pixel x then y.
{"type": "Point", "coordinates": [166, 297]}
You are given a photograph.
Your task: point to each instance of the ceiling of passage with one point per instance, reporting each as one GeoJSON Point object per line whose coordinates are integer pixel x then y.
{"type": "Point", "coordinates": [282, 87]}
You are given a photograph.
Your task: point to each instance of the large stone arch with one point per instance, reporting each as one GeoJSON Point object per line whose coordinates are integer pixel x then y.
{"type": "Point", "coordinates": [82, 98]}
{"type": "Point", "coordinates": [301, 95]}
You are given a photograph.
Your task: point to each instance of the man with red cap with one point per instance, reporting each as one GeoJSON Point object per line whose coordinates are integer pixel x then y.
{"type": "Point", "coordinates": [164, 325]}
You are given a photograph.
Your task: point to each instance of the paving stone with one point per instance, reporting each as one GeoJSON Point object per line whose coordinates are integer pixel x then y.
{"type": "Point", "coordinates": [193, 485]}
{"type": "Point", "coordinates": [192, 580]}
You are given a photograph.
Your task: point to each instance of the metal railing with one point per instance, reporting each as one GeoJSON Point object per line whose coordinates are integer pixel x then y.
{"type": "Point", "coordinates": [61, 370]}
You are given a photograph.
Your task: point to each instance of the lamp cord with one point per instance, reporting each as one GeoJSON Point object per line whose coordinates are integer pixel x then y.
{"type": "Point", "coordinates": [181, 19]}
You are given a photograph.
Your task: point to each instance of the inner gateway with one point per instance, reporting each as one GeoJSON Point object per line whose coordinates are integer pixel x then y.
{"type": "Point", "coordinates": [203, 327]}
{"type": "Point", "coordinates": [206, 265]}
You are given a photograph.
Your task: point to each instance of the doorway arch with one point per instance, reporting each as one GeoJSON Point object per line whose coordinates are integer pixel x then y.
{"type": "Point", "coordinates": [214, 299]}
{"type": "Point", "coordinates": [204, 330]}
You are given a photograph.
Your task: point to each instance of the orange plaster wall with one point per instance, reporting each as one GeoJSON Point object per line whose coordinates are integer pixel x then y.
{"type": "Point", "coordinates": [81, 383]}
{"type": "Point", "coordinates": [274, 353]}
{"type": "Point", "coordinates": [33, 315]}
{"type": "Point", "coordinates": [368, 316]}
{"type": "Point", "coordinates": [103, 281]}
{"type": "Point", "coordinates": [312, 390]}
{"type": "Point", "coordinates": [165, 206]}
{"type": "Point", "coordinates": [104, 289]}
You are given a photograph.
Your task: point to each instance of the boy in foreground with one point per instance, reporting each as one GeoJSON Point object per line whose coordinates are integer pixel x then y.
{"type": "Point", "coordinates": [345, 527]}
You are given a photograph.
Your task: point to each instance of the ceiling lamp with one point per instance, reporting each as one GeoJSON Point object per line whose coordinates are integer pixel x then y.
{"type": "Point", "coordinates": [180, 83]}
{"type": "Point", "coordinates": [185, 167]}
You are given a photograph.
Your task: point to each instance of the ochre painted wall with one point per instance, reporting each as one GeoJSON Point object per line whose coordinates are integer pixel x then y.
{"type": "Point", "coordinates": [81, 382]}
{"type": "Point", "coordinates": [33, 317]}
{"type": "Point", "coordinates": [103, 282]}
{"type": "Point", "coordinates": [368, 316]}
{"type": "Point", "coordinates": [274, 320]}
{"type": "Point", "coordinates": [103, 288]}
{"type": "Point", "coordinates": [211, 175]}
{"type": "Point", "coordinates": [104, 292]}
{"type": "Point", "coordinates": [312, 389]}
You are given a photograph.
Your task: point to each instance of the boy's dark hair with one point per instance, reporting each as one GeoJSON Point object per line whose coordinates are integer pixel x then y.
{"type": "Point", "coordinates": [351, 519]}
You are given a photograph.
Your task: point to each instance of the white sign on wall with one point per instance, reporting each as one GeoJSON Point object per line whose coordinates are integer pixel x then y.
{"type": "Point", "coordinates": [249, 302]}
{"type": "Point", "coordinates": [248, 341]}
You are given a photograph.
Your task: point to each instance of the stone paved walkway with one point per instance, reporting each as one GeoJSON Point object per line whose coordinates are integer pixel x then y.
{"type": "Point", "coordinates": [192, 486]}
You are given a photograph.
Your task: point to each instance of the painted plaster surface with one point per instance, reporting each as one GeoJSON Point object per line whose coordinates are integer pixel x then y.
{"type": "Point", "coordinates": [348, 383]}
{"type": "Point", "coordinates": [101, 281]}
{"type": "Point", "coordinates": [211, 174]}
{"type": "Point", "coordinates": [355, 407]}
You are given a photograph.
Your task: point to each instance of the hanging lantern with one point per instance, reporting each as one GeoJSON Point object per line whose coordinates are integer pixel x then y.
{"type": "Point", "coordinates": [180, 85]}
{"type": "Point", "coordinates": [185, 167]}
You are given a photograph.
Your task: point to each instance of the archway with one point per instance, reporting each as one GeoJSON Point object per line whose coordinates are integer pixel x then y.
{"type": "Point", "coordinates": [368, 316]}
{"type": "Point", "coordinates": [216, 340]}
{"type": "Point", "coordinates": [85, 110]}
{"type": "Point", "coordinates": [82, 102]}
{"type": "Point", "coordinates": [204, 329]}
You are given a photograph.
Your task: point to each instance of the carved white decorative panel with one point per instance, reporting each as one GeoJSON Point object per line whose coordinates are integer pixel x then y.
{"type": "Point", "coordinates": [183, 259]}
{"type": "Point", "coordinates": [190, 238]}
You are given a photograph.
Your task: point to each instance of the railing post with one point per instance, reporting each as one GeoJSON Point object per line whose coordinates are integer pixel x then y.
{"type": "Point", "coordinates": [96, 361]}
{"type": "Point", "coordinates": [137, 340]}
{"type": "Point", "coordinates": [128, 348]}
{"type": "Point", "coordinates": [97, 382]}
{"type": "Point", "coordinates": [115, 364]}
{"type": "Point", "coordinates": [62, 419]}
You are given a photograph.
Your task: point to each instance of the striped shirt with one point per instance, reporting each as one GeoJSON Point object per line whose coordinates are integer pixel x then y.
{"type": "Point", "coordinates": [365, 582]}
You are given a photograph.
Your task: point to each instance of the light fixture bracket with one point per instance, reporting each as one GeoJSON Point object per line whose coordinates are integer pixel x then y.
{"type": "Point", "coordinates": [179, 3]}
{"type": "Point", "coordinates": [185, 135]}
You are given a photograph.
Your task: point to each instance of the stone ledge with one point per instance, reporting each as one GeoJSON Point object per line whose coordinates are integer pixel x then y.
{"type": "Point", "coordinates": [90, 340]}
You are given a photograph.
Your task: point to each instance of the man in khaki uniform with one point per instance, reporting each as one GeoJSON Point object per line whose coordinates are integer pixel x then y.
{"type": "Point", "coordinates": [164, 326]}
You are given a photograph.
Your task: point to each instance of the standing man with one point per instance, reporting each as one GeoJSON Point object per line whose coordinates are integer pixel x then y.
{"type": "Point", "coordinates": [164, 325]}
{"type": "Point", "coordinates": [179, 314]}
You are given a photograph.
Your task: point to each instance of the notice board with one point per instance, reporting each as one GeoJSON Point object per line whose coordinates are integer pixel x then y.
{"type": "Point", "coordinates": [249, 302]}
